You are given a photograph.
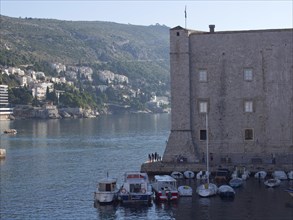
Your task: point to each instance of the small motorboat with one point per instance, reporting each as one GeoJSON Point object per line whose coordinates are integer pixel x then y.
{"type": "Point", "coordinates": [279, 174]}
{"type": "Point", "coordinates": [241, 173]}
{"type": "Point", "coordinates": [236, 182]}
{"type": "Point", "coordinates": [165, 188]}
{"type": "Point", "coordinates": [245, 174]}
{"type": "Point", "coordinates": [290, 175]}
{"type": "Point", "coordinates": [207, 190]}
{"type": "Point", "coordinates": [10, 131]}
{"type": "Point", "coordinates": [188, 174]}
{"type": "Point", "coordinates": [106, 191]}
{"type": "Point", "coordinates": [136, 188]}
{"type": "Point", "coordinates": [272, 182]}
{"type": "Point", "coordinates": [260, 174]}
{"type": "Point", "coordinates": [185, 190]}
{"type": "Point", "coordinates": [202, 175]}
{"type": "Point", "coordinates": [177, 175]}
{"type": "Point", "coordinates": [226, 191]}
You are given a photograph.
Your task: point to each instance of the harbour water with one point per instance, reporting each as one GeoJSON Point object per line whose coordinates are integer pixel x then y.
{"type": "Point", "coordinates": [52, 167]}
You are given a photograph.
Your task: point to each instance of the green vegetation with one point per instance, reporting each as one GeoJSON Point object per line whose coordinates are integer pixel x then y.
{"type": "Point", "coordinates": [139, 52]}
{"type": "Point", "coordinates": [20, 96]}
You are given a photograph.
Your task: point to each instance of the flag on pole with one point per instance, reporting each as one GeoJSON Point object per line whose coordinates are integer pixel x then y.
{"type": "Point", "coordinates": [185, 12]}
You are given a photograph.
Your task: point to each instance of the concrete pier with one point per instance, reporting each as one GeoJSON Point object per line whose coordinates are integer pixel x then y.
{"type": "Point", "coordinates": [160, 167]}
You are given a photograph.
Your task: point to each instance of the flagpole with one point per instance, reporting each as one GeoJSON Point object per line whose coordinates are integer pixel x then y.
{"type": "Point", "coordinates": [185, 13]}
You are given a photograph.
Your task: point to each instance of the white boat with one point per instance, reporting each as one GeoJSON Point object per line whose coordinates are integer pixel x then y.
{"type": "Point", "coordinates": [226, 191]}
{"type": "Point", "coordinates": [165, 188]}
{"type": "Point", "coordinates": [279, 174]}
{"type": "Point", "coordinates": [260, 174]}
{"type": "Point", "coordinates": [245, 174]}
{"type": "Point", "coordinates": [234, 174]}
{"type": "Point", "coordinates": [177, 175]}
{"type": "Point", "coordinates": [136, 188]}
{"type": "Point", "coordinates": [272, 182]}
{"type": "Point", "coordinates": [188, 174]}
{"type": "Point", "coordinates": [290, 175]}
{"type": "Point", "coordinates": [202, 175]}
{"type": "Point", "coordinates": [241, 173]}
{"type": "Point", "coordinates": [185, 190]}
{"type": "Point", "coordinates": [236, 182]}
{"type": "Point", "coordinates": [207, 189]}
{"type": "Point", "coordinates": [107, 190]}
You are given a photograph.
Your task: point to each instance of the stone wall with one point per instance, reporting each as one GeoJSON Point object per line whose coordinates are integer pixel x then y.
{"type": "Point", "coordinates": [225, 55]}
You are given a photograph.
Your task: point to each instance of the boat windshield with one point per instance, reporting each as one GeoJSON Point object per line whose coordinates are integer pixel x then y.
{"type": "Point", "coordinates": [106, 187]}
{"type": "Point", "coordinates": [135, 188]}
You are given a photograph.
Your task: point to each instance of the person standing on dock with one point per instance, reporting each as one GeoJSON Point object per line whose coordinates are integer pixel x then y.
{"type": "Point", "coordinates": [273, 159]}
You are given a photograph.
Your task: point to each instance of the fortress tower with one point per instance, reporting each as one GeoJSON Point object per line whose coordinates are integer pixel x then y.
{"type": "Point", "coordinates": [243, 80]}
{"type": "Point", "coordinates": [180, 143]}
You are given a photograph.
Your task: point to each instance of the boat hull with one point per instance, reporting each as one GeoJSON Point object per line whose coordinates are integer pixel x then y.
{"type": "Point", "coordinates": [236, 182]}
{"type": "Point", "coordinates": [226, 192]}
{"type": "Point", "coordinates": [166, 196]}
{"type": "Point", "coordinates": [189, 174]}
{"type": "Point", "coordinates": [207, 190]}
{"type": "Point", "coordinates": [136, 188]}
{"type": "Point", "coordinates": [185, 191]}
{"type": "Point", "coordinates": [272, 182]}
{"type": "Point", "coordinates": [129, 198]}
{"type": "Point", "coordinates": [105, 197]}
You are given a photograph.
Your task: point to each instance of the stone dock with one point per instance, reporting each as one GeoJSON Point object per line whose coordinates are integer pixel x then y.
{"type": "Point", "coordinates": [160, 167]}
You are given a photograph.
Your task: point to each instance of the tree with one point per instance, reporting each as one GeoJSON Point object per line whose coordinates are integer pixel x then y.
{"type": "Point", "coordinates": [20, 96]}
{"type": "Point", "coordinates": [51, 96]}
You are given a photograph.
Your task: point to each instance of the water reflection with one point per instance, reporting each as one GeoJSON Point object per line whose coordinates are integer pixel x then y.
{"type": "Point", "coordinates": [106, 211]}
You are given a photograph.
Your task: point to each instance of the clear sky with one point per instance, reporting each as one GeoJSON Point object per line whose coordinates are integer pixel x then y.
{"type": "Point", "coordinates": [226, 15]}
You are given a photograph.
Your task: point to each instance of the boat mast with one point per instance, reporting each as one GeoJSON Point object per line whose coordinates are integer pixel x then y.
{"type": "Point", "coordinates": [207, 142]}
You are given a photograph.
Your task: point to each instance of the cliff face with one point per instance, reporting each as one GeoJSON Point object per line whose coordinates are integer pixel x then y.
{"type": "Point", "coordinates": [22, 112]}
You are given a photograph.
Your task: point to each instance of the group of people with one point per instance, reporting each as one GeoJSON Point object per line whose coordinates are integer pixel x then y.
{"type": "Point", "coordinates": [154, 157]}
{"type": "Point", "coordinates": [203, 159]}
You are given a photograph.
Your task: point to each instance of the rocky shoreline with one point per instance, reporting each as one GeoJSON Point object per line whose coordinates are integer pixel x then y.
{"type": "Point", "coordinates": [52, 112]}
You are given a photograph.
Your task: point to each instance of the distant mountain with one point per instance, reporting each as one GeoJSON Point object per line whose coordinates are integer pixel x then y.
{"type": "Point", "coordinates": [132, 50]}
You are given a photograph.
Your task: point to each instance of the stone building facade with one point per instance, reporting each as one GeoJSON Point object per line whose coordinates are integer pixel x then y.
{"type": "Point", "coordinates": [243, 82]}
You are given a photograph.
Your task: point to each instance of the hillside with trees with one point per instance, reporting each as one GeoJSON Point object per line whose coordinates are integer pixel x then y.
{"type": "Point", "coordinates": [140, 53]}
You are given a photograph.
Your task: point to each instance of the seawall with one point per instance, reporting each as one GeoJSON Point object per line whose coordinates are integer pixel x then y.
{"type": "Point", "coordinates": [160, 167]}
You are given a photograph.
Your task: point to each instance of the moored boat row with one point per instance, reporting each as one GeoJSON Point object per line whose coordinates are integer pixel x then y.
{"type": "Point", "coordinates": [136, 187]}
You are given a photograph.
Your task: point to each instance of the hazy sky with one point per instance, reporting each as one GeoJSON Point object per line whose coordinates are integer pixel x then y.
{"type": "Point", "coordinates": [226, 15]}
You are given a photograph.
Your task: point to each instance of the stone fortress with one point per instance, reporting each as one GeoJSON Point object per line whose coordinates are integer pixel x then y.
{"type": "Point", "coordinates": [242, 81]}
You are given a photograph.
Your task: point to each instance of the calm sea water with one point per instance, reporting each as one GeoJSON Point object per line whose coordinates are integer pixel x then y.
{"type": "Point", "coordinates": [52, 168]}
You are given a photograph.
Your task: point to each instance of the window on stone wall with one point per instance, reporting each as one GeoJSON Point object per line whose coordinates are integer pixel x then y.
{"type": "Point", "coordinates": [203, 135]}
{"type": "Point", "coordinates": [248, 106]}
{"type": "Point", "coordinates": [248, 75]}
{"type": "Point", "coordinates": [203, 107]}
{"type": "Point", "coordinates": [248, 134]}
{"type": "Point", "coordinates": [203, 75]}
